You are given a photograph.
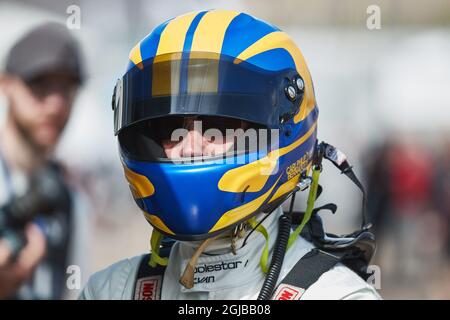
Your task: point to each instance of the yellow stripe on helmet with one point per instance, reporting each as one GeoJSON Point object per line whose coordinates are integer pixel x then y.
{"type": "Point", "coordinates": [248, 177]}
{"type": "Point", "coordinates": [288, 185]}
{"type": "Point", "coordinates": [239, 213]}
{"type": "Point", "coordinates": [173, 36]}
{"type": "Point", "coordinates": [135, 55]}
{"type": "Point", "coordinates": [279, 39]}
{"type": "Point", "coordinates": [140, 186]}
{"type": "Point", "coordinates": [166, 77]}
{"type": "Point", "coordinates": [208, 37]}
{"type": "Point", "coordinates": [157, 222]}
{"type": "Point", "coordinates": [285, 188]}
{"type": "Point", "coordinates": [210, 32]}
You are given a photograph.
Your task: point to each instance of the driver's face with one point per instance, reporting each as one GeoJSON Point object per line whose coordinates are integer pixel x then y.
{"type": "Point", "coordinates": [197, 140]}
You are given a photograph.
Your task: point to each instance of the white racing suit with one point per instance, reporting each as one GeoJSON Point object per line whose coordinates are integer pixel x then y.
{"type": "Point", "coordinates": [222, 275]}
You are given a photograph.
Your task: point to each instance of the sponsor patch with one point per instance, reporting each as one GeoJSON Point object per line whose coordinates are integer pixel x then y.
{"type": "Point", "coordinates": [148, 288]}
{"type": "Point", "coordinates": [288, 292]}
{"type": "Point", "coordinates": [229, 265]}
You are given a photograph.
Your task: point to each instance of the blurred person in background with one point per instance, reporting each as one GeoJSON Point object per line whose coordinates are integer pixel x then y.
{"type": "Point", "coordinates": [402, 183]}
{"type": "Point", "coordinates": [441, 190]}
{"type": "Point", "coordinates": [377, 176]}
{"type": "Point", "coordinates": [40, 82]}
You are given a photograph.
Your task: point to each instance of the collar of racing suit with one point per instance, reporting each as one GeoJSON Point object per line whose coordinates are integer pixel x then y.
{"type": "Point", "coordinates": [218, 267]}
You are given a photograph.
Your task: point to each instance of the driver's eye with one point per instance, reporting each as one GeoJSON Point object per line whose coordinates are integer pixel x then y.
{"type": "Point", "coordinates": [163, 128]}
{"type": "Point", "coordinates": [221, 124]}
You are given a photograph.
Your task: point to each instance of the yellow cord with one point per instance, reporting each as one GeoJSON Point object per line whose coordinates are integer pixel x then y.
{"type": "Point", "coordinates": [263, 262]}
{"type": "Point", "coordinates": [309, 206]}
{"type": "Point", "coordinates": [155, 243]}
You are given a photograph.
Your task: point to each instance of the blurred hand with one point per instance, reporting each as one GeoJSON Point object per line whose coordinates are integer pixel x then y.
{"type": "Point", "coordinates": [14, 273]}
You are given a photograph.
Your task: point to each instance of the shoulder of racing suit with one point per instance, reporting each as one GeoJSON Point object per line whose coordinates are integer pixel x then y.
{"type": "Point", "coordinates": [118, 281]}
{"type": "Point", "coordinates": [114, 282]}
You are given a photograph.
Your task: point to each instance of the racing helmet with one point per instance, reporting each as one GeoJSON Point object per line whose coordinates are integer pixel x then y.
{"type": "Point", "coordinates": [225, 68]}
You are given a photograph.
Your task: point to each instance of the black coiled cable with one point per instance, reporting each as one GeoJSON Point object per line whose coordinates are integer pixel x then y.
{"type": "Point", "coordinates": [284, 231]}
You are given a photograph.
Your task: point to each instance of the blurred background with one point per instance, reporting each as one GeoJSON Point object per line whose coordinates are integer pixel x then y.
{"type": "Point", "coordinates": [383, 95]}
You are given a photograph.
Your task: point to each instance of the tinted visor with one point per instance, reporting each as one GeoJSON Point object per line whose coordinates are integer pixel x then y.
{"type": "Point", "coordinates": [202, 84]}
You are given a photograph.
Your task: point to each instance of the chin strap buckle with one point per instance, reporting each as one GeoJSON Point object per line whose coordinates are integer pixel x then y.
{"type": "Point", "coordinates": [304, 183]}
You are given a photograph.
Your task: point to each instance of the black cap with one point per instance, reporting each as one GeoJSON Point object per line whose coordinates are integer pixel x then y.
{"type": "Point", "coordinates": [46, 49]}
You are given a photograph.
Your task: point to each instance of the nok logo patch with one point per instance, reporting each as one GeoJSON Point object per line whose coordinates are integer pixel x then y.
{"type": "Point", "coordinates": [148, 288]}
{"type": "Point", "coordinates": [288, 292]}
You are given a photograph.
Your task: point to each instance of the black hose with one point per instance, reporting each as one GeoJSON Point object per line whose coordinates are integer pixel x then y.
{"type": "Point", "coordinates": [284, 230]}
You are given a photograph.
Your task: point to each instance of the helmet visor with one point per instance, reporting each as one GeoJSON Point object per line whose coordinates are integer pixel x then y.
{"type": "Point", "coordinates": [200, 83]}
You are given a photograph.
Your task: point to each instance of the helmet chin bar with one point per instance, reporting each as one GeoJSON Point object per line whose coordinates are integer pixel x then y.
{"type": "Point", "coordinates": [323, 150]}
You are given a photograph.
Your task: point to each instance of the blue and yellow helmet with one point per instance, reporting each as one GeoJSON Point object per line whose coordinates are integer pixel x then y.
{"type": "Point", "coordinates": [214, 63]}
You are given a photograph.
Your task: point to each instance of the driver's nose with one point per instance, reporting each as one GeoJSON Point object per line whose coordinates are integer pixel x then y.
{"type": "Point", "coordinates": [192, 144]}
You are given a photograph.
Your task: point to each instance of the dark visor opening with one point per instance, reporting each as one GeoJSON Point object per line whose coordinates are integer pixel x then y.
{"type": "Point", "coordinates": [152, 140]}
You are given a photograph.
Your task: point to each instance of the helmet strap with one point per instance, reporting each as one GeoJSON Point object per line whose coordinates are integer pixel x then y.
{"type": "Point", "coordinates": [187, 279]}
